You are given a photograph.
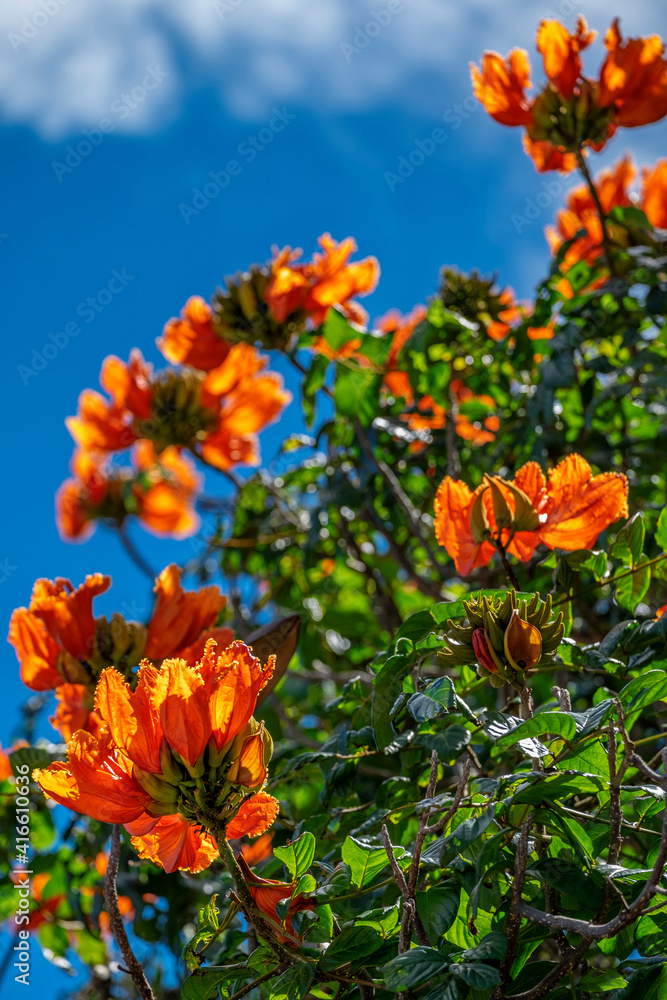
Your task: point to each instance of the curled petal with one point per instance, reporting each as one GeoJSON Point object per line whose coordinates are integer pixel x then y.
{"type": "Point", "coordinates": [132, 720]}
{"type": "Point", "coordinates": [579, 505]}
{"type": "Point", "coordinates": [68, 613]}
{"type": "Point", "coordinates": [179, 616]}
{"type": "Point", "coordinates": [180, 697]}
{"type": "Point", "coordinates": [522, 643]}
{"type": "Point", "coordinates": [192, 339]}
{"type": "Point", "coordinates": [233, 678]}
{"type": "Point", "coordinates": [36, 651]}
{"type": "Point", "coordinates": [254, 817]}
{"type": "Point", "coordinates": [453, 507]}
{"type": "Point", "coordinates": [560, 51]}
{"type": "Point", "coordinates": [75, 711]}
{"type": "Point", "coordinates": [94, 782]}
{"type": "Point", "coordinates": [175, 844]}
{"type": "Point", "coordinates": [500, 87]}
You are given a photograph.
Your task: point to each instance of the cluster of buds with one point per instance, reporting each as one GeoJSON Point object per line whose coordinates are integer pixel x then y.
{"type": "Point", "coordinates": [513, 510]}
{"type": "Point", "coordinates": [241, 313]}
{"type": "Point", "coordinates": [209, 792]}
{"type": "Point", "coordinates": [117, 642]}
{"type": "Point", "coordinates": [569, 122]}
{"type": "Point", "coordinates": [504, 638]}
{"type": "Point", "coordinates": [181, 413]}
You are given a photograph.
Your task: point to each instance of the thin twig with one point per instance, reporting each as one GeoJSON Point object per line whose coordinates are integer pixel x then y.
{"type": "Point", "coordinates": [438, 827]}
{"type": "Point", "coordinates": [606, 242]}
{"type": "Point", "coordinates": [509, 572]}
{"type": "Point", "coordinates": [513, 922]}
{"type": "Point", "coordinates": [134, 966]}
{"type": "Point", "coordinates": [256, 982]}
{"type": "Point", "coordinates": [134, 553]}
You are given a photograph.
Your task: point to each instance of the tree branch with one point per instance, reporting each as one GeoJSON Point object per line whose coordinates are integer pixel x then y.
{"type": "Point", "coordinates": [134, 966]}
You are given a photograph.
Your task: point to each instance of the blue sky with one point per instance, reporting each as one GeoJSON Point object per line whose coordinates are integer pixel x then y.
{"type": "Point", "coordinates": [156, 97]}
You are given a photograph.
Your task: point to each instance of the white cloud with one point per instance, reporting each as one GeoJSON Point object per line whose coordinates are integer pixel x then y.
{"type": "Point", "coordinates": [63, 63]}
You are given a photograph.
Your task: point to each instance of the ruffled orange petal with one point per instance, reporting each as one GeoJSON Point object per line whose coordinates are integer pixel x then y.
{"type": "Point", "coordinates": [179, 616]}
{"type": "Point", "coordinates": [193, 653]}
{"type": "Point", "coordinates": [633, 78]}
{"type": "Point", "coordinates": [255, 405]}
{"type": "Point", "coordinates": [242, 362]}
{"type": "Point", "coordinates": [500, 87]}
{"type": "Point", "coordinates": [68, 613]}
{"type": "Point", "coordinates": [254, 817]}
{"type": "Point", "coordinates": [128, 384]}
{"type": "Point", "coordinates": [132, 719]}
{"type": "Point", "coordinates": [453, 506]}
{"type": "Point", "coordinates": [547, 157]}
{"type": "Point", "coordinates": [94, 782]}
{"type": "Point", "coordinates": [192, 339]}
{"type": "Point", "coordinates": [233, 678]}
{"type": "Point", "coordinates": [262, 849]}
{"type": "Point", "coordinates": [579, 505]}
{"type": "Point", "coordinates": [99, 425]}
{"type": "Point", "coordinates": [75, 710]}
{"type": "Point", "coordinates": [560, 51]}
{"type": "Point", "coordinates": [35, 650]}
{"type": "Point", "coordinates": [165, 494]}
{"type": "Point", "coordinates": [654, 194]}
{"type": "Point", "coordinates": [180, 697]}
{"type": "Point", "coordinates": [176, 844]}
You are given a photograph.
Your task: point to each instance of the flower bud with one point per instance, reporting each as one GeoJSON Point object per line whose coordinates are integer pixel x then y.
{"type": "Point", "coordinates": [522, 643]}
{"type": "Point", "coordinates": [479, 522]}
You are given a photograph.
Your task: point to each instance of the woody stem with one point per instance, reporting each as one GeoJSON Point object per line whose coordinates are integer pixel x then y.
{"type": "Point", "coordinates": [248, 906]}
{"type": "Point", "coordinates": [606, 242]}
{"type": "Point", "coordinates": [134, 553]}
{"type": "Point", "coordinates": [134, 966]}
{"type": "Point", "coordinates": [509, 572]}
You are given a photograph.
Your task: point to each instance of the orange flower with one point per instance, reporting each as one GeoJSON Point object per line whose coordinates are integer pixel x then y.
{"type": "Point", "coordinates": [68, 613]}
{"type": "Point", "coordinates": [75, 711]}
{"type": "Point", "coordinates": [267, 893]}
{"type": "Point", "coordinates": [219, 412]}
{"type": "Point", "coordinates": [501, 84]}
{"type": "Point", "coordinates": [192, 339]}
{"type": "Point", "coordinates": [567, 510]}
{"type": "Point", "coordinates": [431, 416]}
{"type": "Point", "coordinates": [164, 491]}
{"type": "Point", "coordinates": [259, 851]}
{"type": "Point", "coordinates": [36, 651]}
{"type": "Point", "coordinates": [560, 51]}
{"type": "Point", "coordinates": [179, 616]}
{"type": "Point", "coordinates": [572, 111]}
{"type": "Point", "coordinates": [396, 382]}
{"type": "Point", "coordinates": [581, 213]}
{"type": "Point", "coordinates": [247, 399]}
{"type": "Point", "coordinates": [654, 194]}
{"type": "Point", "coordinates": [180, 723]}
{"type": "Point", "coordinates": [633, 78]}
{"type": "Point", "coordinates": [6, 767]}
{"type": "Point", "coordinates": [328, 280]}
{"type": "Point", "coordinates": [78, 498]}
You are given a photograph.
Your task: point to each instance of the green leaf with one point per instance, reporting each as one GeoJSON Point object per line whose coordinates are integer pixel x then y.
{"type": "Point", "coordinates": [633, 588]}
{"type": "Point", "coordinates": [492, 945]}
{"type": "Point", "coordinates": [558, 723]}
{"type": "Point", "coordinates": [650, 686]}
{"type": "Point", "coordinates": [365, 862]}
{"type": "Point", "coordinates": [294, 983]}
{"type": "Point", "coordinates": [31, 757]}
{"type": "Point", "coordinates": [629, 542]}
{"type": "Point", "coordinates": [337, 331]}
{"type": "Point", "coordinates": [204, 983]}
{"type": "Point", "coordinates": [448, 743]}
{"type": "Point", "coordinates": [437, 908]}
{"type": "Point", "coordinates": [356, 392]}
{"type": "Point", "coordinates": [661, 530]}
{"type": "Point", "coordinates": [387, 686]}
{"type": "Point", "coordinates": [353, 945]}
{"type": "Point", "coordinates": [465, 834]}
{"type": "Point", "coordinates": [600, 981]}
{"type": "Point", "coordinates": [297, 856]}
{"type": "Point", "coordinates": [477, 975]}
{"type": "Point", "coordinates": [434, 700]}
{"type": "Point", "coordinates": [414, 967]}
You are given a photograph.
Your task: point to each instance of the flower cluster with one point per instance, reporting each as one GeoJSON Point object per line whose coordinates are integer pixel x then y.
{"type": "Point", "coordinates": [159, 490]}
{"type": "Point", "coordinates": [567, 510]}
{"type": "Point", "coordinates": [61, 644]}
{"type": "Point", "coordinates": [504, 638]}
{"type": "Point", "coordinates": [580, 223]}
{"type": "Point", "coordinates": [176, 758]}
{"type": "Point", "coordinates": [572, 111]}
